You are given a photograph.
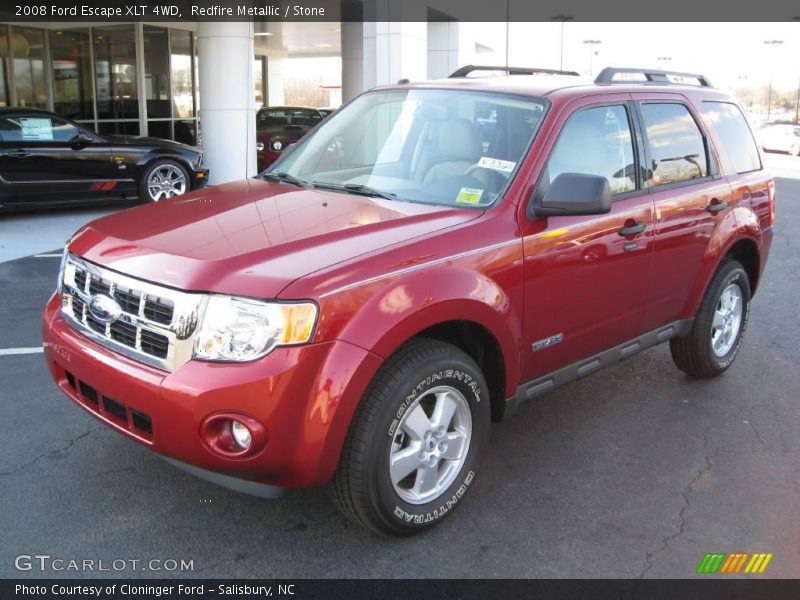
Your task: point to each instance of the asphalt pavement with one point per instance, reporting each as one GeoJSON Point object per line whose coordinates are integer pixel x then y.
{"type": "Point", "coordinates": [636, 471]}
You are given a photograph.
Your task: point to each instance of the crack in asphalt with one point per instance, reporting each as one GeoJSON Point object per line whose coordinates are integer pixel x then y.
{"type": "Point", "coordinates": [648, 561]}
{"type": "Point", "coordinates": [61, 450]}
{"type": "Point", "coordinates": [753, 427]}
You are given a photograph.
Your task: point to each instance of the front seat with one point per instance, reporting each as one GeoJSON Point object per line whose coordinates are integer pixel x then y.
{"type": "Point", "coordinates": [457, 146]}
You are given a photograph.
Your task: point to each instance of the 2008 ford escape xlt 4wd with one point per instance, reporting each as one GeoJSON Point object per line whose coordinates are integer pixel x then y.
{"type": "Point", "coordinates": [418, 265]}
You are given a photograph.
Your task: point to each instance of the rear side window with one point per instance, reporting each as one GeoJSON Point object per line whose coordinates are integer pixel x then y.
{"type": "Point", "coordinates": [596, 141]}
{"type": "Point", "coordinates": [677, 147]}
{"type": "Point", "coordinates": [732, 128]}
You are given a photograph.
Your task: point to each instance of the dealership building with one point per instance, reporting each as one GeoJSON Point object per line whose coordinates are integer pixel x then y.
{"type": "Point", "coordinates": [164, 80]}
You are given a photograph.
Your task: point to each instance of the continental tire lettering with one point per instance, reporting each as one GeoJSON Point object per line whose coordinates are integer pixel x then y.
{"type": "Point", "coordinates": [439, 511]}
{"type": "Point", "coordinates": [428, 382]}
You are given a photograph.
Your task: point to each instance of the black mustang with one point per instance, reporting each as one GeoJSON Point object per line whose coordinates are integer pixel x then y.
{"type": "Point", "coordinates": [47, 160]}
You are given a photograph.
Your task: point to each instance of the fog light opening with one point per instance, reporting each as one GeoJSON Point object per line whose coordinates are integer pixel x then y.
{"type": "Point", "coordinates": [233, 435]}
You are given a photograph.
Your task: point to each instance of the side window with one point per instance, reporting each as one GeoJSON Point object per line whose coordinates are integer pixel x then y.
{"type": "Point", "coordinates": [596, 141]}
{"type": "Point", "coordinates": [63, 131]}
{"type": "Point", "coordinates": [36, 129]}
{"type": "Point", "coordinates": [732, 128]}
{"type": "Point", "coordinates": [677, 147]}
{"type": "Point", "coordinates": [10, 130]}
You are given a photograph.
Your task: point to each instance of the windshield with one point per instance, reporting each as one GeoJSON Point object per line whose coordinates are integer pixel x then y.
{"type": "Point", "coordinates": [449, 147]}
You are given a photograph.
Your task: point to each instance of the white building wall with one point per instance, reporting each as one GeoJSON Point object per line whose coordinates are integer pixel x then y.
{"type": "Point", "coordinates": [378, 53]}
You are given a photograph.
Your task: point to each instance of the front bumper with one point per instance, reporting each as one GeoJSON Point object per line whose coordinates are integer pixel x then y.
{"type": "Point", "coordinates": [304, 396]}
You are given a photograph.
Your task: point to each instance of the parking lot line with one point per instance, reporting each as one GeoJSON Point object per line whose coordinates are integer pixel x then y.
{"type": "Point", "coordinates": [13, 351]}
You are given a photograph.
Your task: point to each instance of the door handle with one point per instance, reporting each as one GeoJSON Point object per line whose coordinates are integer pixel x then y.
{"type": "Point", "coordinates": [716, 206]}
{"type": "Point", "coordinates": [635, 228]}
{"type": "Point", "coordinates": [17, 154]}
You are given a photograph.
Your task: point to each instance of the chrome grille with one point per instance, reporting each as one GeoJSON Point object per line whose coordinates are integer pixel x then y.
{"type": "Point", "coordinates": [156, 326]}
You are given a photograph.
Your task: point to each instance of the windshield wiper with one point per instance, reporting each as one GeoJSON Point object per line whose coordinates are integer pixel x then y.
{"type": "Point", "coordinates": [355, 188]}
{"type": "Point", "coordinates": [284, 177]}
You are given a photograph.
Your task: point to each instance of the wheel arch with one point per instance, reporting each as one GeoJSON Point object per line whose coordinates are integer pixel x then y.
{"type": "Point", "coordinates": [744, 249]}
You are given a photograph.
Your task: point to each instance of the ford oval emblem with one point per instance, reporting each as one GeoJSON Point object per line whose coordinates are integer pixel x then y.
{"type": "Point", "coordinates": [104, 309]}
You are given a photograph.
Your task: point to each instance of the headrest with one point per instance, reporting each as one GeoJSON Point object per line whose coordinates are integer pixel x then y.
{"type": "Point", "coordinates": [459, 139]}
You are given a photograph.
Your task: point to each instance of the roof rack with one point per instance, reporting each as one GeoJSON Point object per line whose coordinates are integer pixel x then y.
{"type": "Point", "coordinates": [466, 70]}
{"type": "Point", "coordinates": [607, 76]}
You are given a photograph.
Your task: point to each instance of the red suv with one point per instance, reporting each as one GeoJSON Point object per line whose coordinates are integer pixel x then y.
{"type": "Point", "coordinates": [431, 256]}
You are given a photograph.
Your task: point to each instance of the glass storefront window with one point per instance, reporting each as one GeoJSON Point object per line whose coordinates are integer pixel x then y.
{"type": "Point", "coordinates": [72, 74]}
{"type": "Point", "coordinates": [118, 127]}
{"type": "Point", "coordinates": [27, 50]}
{"type": "Point", "coordinates": [115, 72]}
{"type": "Point", "coordinates": [259, 77]}
{"type": "Point", "coordinates": [95, 77]}
{"type": "Point", "coordinates": [5, 98]}
{"type": "Point", "coordinates": [156, 72]}
{"type": "Point", "coordinates": [181, 71]}
{"type": "Point", "coordinates": [159, 129]}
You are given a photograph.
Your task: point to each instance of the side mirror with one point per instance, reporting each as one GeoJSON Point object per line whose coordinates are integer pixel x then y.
{"type": "Point", "coordinates": [82, 140]}
{"type": "Point", "coordinates": [573, 194]}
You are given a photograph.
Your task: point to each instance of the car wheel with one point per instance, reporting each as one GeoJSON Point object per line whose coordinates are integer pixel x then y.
{"type": "Point", "coordinates": [719, 326]}
{"type": "Point", "coordinates": [163, 179]}
{"type": "Point", "coordinates": [413, 447]}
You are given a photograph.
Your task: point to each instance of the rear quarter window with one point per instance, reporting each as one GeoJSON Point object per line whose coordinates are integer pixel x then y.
{"type": "Point", "coordinates": [735, 135]}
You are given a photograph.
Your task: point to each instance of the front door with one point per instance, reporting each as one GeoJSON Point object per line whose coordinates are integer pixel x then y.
{"type": "Point", "coordinates": [586, 277]}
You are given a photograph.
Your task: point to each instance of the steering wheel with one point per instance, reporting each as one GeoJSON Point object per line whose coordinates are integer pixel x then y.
{"type": "Point", "coordinates": [492, 178]}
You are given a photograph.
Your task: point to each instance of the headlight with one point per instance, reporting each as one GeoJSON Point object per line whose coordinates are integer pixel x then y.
{"type": "Point", "coordinates": [277, 145]}
{"type": "Point", "coordinates": [61, 267]}
{"type": "Point", "coordinates": [240, 329]}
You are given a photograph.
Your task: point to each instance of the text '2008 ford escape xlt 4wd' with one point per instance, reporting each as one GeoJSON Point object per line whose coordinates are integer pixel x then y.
{"type": "Point", "coordinates": [418, 265]}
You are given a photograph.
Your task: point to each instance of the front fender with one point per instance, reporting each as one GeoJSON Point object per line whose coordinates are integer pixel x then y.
{"type": "Point", "coordinates": [382, 315]}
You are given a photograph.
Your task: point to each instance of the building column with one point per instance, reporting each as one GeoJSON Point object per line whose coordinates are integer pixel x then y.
{"type": "Point", "coordinates": [379, 53]}
{"type": "Point", "coordinates": [443, 48]}
{"type": "Point", "coordinates": [227, 113]}
{"type": "Point", "coordinates": [275, 78]}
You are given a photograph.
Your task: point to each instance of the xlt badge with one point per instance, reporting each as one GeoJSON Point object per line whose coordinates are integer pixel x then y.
{"type": "Point", "coordinates": [547, 342]}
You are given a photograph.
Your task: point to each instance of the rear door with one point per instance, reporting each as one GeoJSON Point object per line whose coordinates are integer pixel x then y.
{"type": "Point", "coordinates": [739, 155]}
{"type": "Point", "coordinates": [586, 277]}
{"type": "Point", "coordinates": [44, 162]}
{"type": "Point", "coordinates": [691, 199]}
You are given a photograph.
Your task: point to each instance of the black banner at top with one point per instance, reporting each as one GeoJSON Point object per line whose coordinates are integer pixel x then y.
{"type": "Point", "coordinates": [98, 11]}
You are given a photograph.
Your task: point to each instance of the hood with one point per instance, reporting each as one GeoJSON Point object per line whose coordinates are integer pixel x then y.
{"type": "Point", "coordinates": [251, 237]}
{"type": "Point", "coordinates": [139, 140]}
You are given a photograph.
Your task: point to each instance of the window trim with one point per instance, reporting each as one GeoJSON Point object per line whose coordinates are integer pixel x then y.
{"type": "Point", "coordinates": [636, 147]}
{"type": "Point", "coordinates": [712, 164]}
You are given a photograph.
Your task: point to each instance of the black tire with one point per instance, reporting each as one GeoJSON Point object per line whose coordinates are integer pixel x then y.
{"type": "Point", "coordinates": [693, 353]}
{"type": "Point", "coordinates": [144, 193]}
{"type": "Point", "coordinates": [362, 488]}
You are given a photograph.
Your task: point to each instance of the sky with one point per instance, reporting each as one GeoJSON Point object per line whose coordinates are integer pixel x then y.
{"type": "Point", "coordinates": [731, 55]}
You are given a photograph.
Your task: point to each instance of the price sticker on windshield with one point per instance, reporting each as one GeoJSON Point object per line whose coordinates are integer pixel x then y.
{"type": "Point", "coordinates": [469, 195]}
{"type": "Point", "coordinates": [496, 164]}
